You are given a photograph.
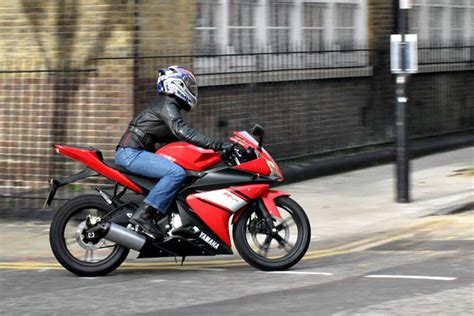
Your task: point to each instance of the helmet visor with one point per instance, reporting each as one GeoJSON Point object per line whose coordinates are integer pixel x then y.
{"type": "Point", "coordinates": [191, 84]}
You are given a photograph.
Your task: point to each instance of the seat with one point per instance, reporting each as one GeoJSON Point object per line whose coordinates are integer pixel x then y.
{"type": "Point", "coordinates": [113, 165]}
{"type": "Point", "coordinates": [144, 182]}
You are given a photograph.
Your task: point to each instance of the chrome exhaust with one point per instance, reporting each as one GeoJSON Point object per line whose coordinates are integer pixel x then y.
{"type": "Point", "coordinates": [123, 236]}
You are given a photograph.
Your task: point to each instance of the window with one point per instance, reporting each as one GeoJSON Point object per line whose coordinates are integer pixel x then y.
{"type": "Point", "coordinates": [435, 25]}
{"type": "Point", "coordinates": [345, 26]}
{"type": "Point", "coordinates": [314, 26]}
{"type": "Point", "coordinates": [443, 22]}
{"type": "Point", "coordinates": [242, 28]}
{"type": "Point", "coordinates": [279, 27]}
{"type": "Point", "coordinates": [268, 36]}
{"type": "Point", "coordinates": [457, 26]}
{"type": "Point", "coordinates": [206, 28]}
{"type": "Point", "coordinates": [251, 26]}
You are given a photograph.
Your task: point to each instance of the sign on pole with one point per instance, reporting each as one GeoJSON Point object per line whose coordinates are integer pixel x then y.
{"type": "Point", "coordinates": [410, 50]}
{"type": "Point", "coordinates": [406, 4]}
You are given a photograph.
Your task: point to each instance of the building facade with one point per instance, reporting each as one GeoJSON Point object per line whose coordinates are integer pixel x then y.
{"type": "Point", "coordinates": [315, 73]}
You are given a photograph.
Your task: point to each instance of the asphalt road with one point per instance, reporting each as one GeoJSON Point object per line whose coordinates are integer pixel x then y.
{"type": "Point", "coordinates": [425, 269]}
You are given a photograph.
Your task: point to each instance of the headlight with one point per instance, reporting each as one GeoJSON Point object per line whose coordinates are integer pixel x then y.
{"type": "Point", "coordinates": [273, 170]}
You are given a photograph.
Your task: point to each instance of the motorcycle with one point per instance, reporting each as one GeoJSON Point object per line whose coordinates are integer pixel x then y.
{"type": "Point", "coordinates": [90, 235]}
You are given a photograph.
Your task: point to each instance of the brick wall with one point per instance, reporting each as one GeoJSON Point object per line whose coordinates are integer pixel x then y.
{"type": "Point", "coordinates": [52, 90]}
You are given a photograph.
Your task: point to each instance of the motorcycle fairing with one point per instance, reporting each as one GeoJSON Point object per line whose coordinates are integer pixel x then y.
{"type": "Point", "coordinates": [215, 207]}
{"type": "Point", "coordinates": [190, 243]}
{"type": "Point", "coordinates": [189, 156]}
{"type": "Point", "coordinates": [92, 158]}
{"type": "Point", "coordinates": [268, 198]}
{"type": "Point", "coordinates": [258, 165]}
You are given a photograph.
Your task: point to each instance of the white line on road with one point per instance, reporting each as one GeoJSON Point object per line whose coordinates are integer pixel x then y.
{"type": "Point", "coordinates": [299, 272]}
{"type": "Point", "coordinates": [207, 269]}
{"type": "Point", "coordinates": [420, 277]}
{"type": "Point", "coordinates": [157, 281]}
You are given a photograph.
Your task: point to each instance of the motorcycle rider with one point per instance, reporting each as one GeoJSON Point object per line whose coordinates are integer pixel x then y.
{"type": "Point", "coordinates": [158, 124]}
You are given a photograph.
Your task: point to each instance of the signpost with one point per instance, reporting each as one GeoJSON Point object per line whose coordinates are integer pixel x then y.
{"type": "Point", "coordinates": [404, 61]}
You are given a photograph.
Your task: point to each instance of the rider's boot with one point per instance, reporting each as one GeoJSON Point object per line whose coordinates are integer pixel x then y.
{"type": "Point", "coordinates": [145, 217]}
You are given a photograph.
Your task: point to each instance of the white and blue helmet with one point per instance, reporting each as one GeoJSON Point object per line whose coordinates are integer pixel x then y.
{"type": "Point", "coordinates": [178, 82]}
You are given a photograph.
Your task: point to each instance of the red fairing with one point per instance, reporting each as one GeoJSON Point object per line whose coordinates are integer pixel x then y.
{"type": "Point", "coordinates": [216, 218]}
{"type": "Point", "coordinates": [258, 165]}
{"type": "Point", "coordinates": [188, 156]}
{"type": "Point", "coordinates": [268, 199]}
{"type": "Point", "coordinates": [89, 158]}
{"type": "Point", "coordinates": [216, 207]}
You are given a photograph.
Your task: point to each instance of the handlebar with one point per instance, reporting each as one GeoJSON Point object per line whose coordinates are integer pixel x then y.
{"type": "Point", "coordinates": [238, 155]}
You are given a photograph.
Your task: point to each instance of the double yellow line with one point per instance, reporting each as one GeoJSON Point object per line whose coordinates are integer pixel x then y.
{"type": "Point", "coordinates": [347, 248]}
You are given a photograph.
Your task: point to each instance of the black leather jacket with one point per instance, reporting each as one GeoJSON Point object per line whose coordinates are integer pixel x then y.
{"type": "Point", "coordinates": [161, 122]}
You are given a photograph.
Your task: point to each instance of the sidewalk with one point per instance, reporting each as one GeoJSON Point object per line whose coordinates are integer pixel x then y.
{"type": "Point", "coordinates": [363, 201]}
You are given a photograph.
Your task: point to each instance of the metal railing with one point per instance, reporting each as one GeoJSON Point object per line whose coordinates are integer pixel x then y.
{"type": "Point", "coordinates": [311, 103]}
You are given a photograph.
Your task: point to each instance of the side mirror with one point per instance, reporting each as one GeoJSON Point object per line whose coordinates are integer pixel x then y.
{"type": "Point", "coordinates": [258, 130]}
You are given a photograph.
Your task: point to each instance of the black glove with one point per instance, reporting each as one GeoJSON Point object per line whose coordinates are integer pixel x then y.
{"type": "Point", "coordinates": [226, 148]}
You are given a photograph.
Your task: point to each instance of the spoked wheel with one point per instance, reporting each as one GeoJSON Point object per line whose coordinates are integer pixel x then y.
{"type": "Point", "coordinates": [278, 247]}
{"type": "Point", "coordinates": [83, 253]}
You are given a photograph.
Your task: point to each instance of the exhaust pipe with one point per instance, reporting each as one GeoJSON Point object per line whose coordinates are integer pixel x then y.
{"type": "Point", "coordinates": [123, 236]}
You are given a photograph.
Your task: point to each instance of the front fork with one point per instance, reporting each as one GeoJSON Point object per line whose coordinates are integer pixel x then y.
{"type": "Point", "coordinates": [263, 213]}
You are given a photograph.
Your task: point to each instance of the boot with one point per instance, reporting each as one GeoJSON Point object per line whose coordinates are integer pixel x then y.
{"type": "Point", "coordinates": [145, 217]}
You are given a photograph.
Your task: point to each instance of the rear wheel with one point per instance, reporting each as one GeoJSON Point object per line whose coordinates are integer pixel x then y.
{"type": "Point", "coordinates": [273, 248]}
{"type": "Point", "coordinates": [77, 251]}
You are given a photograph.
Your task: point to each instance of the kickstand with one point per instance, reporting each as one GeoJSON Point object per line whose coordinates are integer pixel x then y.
{"type": "Point", "coordinates": [175, 260]}
{"type": "Point", "coordinates": [182, 260]}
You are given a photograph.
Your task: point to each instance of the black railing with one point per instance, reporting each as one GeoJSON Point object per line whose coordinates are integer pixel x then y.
{"type": "Point", "coordinates": [311, 103]}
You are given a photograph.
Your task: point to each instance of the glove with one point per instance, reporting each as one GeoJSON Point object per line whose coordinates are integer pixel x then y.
{"type": "Point", "coordinates": [226, 148]}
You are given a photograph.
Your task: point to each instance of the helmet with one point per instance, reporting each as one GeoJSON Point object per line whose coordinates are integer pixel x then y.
{"type": "Point", "coordinates": [178, 82]}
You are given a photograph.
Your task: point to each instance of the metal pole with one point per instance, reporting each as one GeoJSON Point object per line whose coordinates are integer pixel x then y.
{"type": "Point", "coordinates": [402, 145]}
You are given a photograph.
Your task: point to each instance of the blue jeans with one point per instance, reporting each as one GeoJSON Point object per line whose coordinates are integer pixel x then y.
{"type": "Point", "coordinates": [152, 165]}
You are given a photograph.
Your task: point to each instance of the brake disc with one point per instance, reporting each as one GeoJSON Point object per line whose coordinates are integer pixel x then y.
{"type": "Point", "coordinates": [86, 241]}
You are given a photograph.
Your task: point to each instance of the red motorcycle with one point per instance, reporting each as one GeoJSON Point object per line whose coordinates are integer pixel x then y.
{"type": "Point", "coordinates": [91, 235]}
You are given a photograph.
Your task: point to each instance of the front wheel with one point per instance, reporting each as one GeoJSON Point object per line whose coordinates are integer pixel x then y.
{"type": "Point", "coordinates": [273, 248]}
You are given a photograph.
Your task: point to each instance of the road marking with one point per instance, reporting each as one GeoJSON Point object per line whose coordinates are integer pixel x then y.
{"type": "Point", "coordinates": [207, 269]}
{"type": "Point", "coordinates": [419, 277]}
{"type": "Point", "coordinates": [347, 248]}
{"type": "Point", "coordinates": [298, 272]}
{"type": "Point", "coordinates": [158, 281]}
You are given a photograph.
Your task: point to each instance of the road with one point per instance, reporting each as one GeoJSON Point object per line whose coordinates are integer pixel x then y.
{"type": "Point", "coordinates": [424, 269]}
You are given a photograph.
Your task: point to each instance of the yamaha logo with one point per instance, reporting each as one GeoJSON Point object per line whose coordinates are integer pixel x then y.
{"type": "Point", "coordinates": [211, 242]}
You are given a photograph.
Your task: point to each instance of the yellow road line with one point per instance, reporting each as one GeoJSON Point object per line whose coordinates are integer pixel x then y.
{"type": "Point", "coordinates": [352, 247]}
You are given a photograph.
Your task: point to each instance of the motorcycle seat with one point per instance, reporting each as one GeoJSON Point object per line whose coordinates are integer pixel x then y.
{"type": "Point", "coordinates": [113, 165]}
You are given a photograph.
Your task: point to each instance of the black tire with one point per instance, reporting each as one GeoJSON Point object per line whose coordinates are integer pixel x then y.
{"type": "Point", "coordinates": [60, 249]}
{"type": "Point", "coordinates": [293, 256]}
